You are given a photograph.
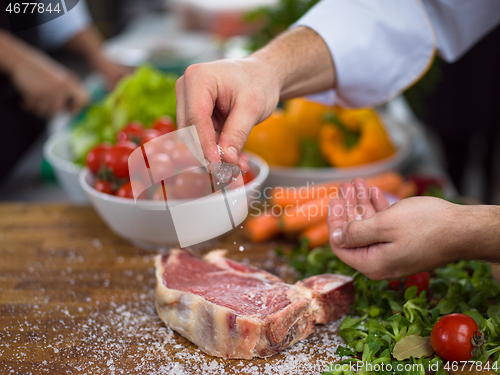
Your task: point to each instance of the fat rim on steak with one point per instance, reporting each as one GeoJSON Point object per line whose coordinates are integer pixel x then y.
{"type": "Point", "coordinates": [232, 310]}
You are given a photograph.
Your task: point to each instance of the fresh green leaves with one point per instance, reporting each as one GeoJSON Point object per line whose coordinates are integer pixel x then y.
{"type": "Point", "coordinates": [144, 96]}
{"type": "Point", "coordinates": [412, 346]}
{"type": "Point", "coordinates": [445, 307]}
{"type": "Point", "coordinates": [493, 313]}
{"type": "Point", "coordinates": [385, 322]}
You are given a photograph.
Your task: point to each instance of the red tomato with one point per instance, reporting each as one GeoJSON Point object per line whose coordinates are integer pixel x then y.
{"type": "Point", "coordinates": [249, 176]}
{"type": "Point", "coordinates": [96, 156]}
{"type": "Point", "coordinates": [192, 184]}
{"type": "Point", "coordinates": [451, 337]}
{"type": "Point", "coordinates": [162, 167]}
{"type": "Point", "coordinates": [103, 186]}
{"type": "Point", "coordinates": [425, 183]}
{"type": "Point", "coordinates": [158, 194]}
{"type": "Point", "coordinates": [149, 134]}
{"type": "Point", "coordinates": [117, 158]}
{"type": "Point", "coordinates": [394, 285]}
{"type": "Point", "coordinates": [139, 185]}
{"type": "Point", "coordinates": [159, 146]}
{"type": "Point", "coordinates": [125, 191]}
{"type": "Point", "coordinates": [164, 125]}
{"type": "Point", "coordinates": [421, 280]}
{"type": "Point", "coordinates": [132, 132]}
{"type": "Point", "coordinates": [182, 157]}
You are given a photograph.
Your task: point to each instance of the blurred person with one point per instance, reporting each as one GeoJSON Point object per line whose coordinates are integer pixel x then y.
{"type": "Point", "coordinates": [34, 87]}
{"type": "Point", "coordinates": [357, 54]}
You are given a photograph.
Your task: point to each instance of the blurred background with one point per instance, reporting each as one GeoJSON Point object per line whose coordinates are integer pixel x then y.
{"type": "Point", "coordinates": [452, 113]}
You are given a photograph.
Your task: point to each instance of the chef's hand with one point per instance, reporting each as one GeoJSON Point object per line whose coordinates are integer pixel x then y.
{"type": "Point", "coordinates": [46, 87]}
{"type": "Point", "coordinates": [411, 236]}
{"type": "Point", "coordinates": [111, 71]}
{"type": "Point", "coordinates": [225, 99]}
{"type": "Point", "coordinates": [89, 44]}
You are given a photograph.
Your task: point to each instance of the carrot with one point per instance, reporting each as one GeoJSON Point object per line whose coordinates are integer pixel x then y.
{"type": "Point", "coordinates": [297, 218]}
{"type": "Point", "coordinates": [388, 182]}
{"type": "Point", "coordinates": [286, 196]}
{"type": "Point", "coordinates": [407, 189]}
{"type": "Point", "coordinates": [290, 196]}
{"type": "Point", "coordinates": [261, 228]}
{"type": "Point", "coordinates": [316, 235]}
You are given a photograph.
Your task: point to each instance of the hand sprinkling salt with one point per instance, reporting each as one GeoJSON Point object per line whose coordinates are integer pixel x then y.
{"type": "Point", "coordinates": [223, 172]}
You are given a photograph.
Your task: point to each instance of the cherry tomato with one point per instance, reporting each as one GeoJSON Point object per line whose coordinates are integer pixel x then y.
{"type": "Point", "coordinates": [162, 167]}
{"type": "Point", "coordinates": [192, 184]}
{"type": "Point", "coordinates": [103, 186]}
{"type": "Point", "coordinates": [421, 280]}
{"type": "Point", "coordinates": [249, 176]}
{"type": "Point", "coordinates": [158, 194]}
{"type": "Point", "coordinates": [427, 183]}
{"type": "Point", "coordinates": [182, 157]}
{"type": "Point", "coordinates": [149, 134]}
{"type": "Point", "coordinates": [159, 146]}
{"type": "Point", "coordinates": [395, 284]}
{"type": "Point", "coordinates": [96, 156]}
{"type": "Point", "coordinates": [451, 337]}
{"type": "Point", "coordinates": [125, 191]}
{"type": "Point", "coordinates": [132, 132]}
{"type": "Point", "coordinates": [164, 125]}
{"type": "Point", "coordinates": [117, 158]}
{"type": "Point", "coordinates": [170, 190]}
{"type": "Point", "coordinates": [139, 186]}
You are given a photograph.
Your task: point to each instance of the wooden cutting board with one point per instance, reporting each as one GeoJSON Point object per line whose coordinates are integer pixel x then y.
{"type": "Point", "coordinates": [75, 298]}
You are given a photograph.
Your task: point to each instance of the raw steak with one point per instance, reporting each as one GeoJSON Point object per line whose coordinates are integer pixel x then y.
{"type": "Point", "coordinates": [232, 310]}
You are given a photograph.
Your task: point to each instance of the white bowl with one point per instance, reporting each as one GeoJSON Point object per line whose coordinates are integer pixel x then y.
{"type": "Point", "coordinates": [402, 136]}
{"type": "Point", "coordinates": [148, 224]}
{"type": "Point", "coordinates": [58, 153]}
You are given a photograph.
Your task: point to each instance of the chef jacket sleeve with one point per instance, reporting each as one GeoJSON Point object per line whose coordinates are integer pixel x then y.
{"type": "Point", "coordinates": [56, 33]}
{"type": "Point", "coordinates": [381, 47]}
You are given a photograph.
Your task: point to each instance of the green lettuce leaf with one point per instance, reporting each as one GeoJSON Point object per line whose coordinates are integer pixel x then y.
{"type": "Point", "coordinates": [144, 96]}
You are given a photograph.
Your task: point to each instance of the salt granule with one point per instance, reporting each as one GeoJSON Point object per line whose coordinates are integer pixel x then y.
{"type": "Point", "coordinates": [222, 172]}
{"type": "Point", "coordinates": [122, 334]}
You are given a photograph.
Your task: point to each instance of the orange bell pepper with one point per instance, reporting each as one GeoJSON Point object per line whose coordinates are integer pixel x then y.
{"type": "Point", "coordinates": [354, 137]}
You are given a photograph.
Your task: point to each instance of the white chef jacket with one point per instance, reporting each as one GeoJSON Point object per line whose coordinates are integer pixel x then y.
{"type": "Point", "coordinates": [381, 47]}
{"type": "Point", "coordinates": [59, 31]}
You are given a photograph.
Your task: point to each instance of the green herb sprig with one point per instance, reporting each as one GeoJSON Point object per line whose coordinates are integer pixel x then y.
{"type": "Point", "coordinates": [381, 317]}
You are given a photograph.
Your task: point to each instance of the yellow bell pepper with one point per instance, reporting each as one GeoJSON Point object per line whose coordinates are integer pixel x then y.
{"type": "Point", "coordinates": [273, 141]}
{"type": "Point", "coordinates": [354, 137]}
{"type": "Point", "coordinates": [305, 118]}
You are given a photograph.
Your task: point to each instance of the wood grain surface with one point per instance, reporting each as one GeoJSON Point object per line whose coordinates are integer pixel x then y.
{"type": "Point", "coordinates": [77, 299]}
